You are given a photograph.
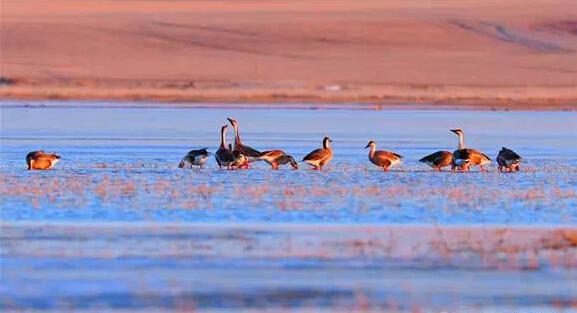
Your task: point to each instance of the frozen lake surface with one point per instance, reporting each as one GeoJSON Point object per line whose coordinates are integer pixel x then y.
{"type": "Point", "coordinates": [119, 167]}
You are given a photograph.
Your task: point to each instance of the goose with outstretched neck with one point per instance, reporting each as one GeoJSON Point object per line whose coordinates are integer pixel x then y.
{"type": "Point", "coordinates": [224, 156]}
{"type": "Point", "coordinates": [320, 157]}
{"type": "Point", "coordinates": [464, 157]}
{"type": "Point", "coordinates": [250, 153]}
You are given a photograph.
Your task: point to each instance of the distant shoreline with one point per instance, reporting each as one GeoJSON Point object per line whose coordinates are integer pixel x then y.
{"type": "Point", "coordinates": [286, 99]}
{"type": "Point", "coordinates": [385, 54]}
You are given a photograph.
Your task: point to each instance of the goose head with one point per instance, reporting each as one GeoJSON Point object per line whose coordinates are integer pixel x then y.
{"type": "Point", "coordinates": [233, 122]}
{"type": "Point", "coordinates": [326, 142]}
{"type": "Point", "coordinates": [293, 163]}
{"type": "Point", "coordinates": [457, 131]}
{"type": "Point", "coordinates": [370, 144]}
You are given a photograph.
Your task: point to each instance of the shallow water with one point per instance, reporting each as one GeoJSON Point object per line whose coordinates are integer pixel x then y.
{"type": "Point", "coordinates": [119, 165]}
{"type": "Point", "coordinates": [125, 159]}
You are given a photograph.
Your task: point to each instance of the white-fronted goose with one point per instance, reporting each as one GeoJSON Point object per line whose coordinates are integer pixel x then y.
{"type": "Point", "coordinates": [509, 160]}
{"type": "Point", "coordinates": [382, 159]}
{"type": "Point", "coordinates": [40, 160]}
{"type": "Point", "coordinates": [277, 157]}
{"type": "Point", "coordinates": [438, 160]}
{"type": "Point", "coordinates": [224, 156]}
{"type": "Point", "coordinates": [250, 153]}
{"type": "Point", "coordinates": [194, 157]}
{"type": "Point", "coordinates": [463, 157]}
{"type": "Point", "coordinates": [320, 157]}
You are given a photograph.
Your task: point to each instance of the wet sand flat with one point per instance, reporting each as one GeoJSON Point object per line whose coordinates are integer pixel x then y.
{"type": "Point", "coordinates": [475, 53]}
{"type": "Point", "coordinates": [139, 267]}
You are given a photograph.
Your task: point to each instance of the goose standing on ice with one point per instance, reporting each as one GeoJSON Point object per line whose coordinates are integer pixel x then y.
{"type": "Point", "coordinates": [40, 160]}
{"type": "Point", "coordinates": [508, 159]}
{"type": "Point", "coordinates": [438, 160]}
{"type": "Point", "coordinates": [463, 157]}
{"type": "Point", "coordinates": [382, 159]}
{"type": "Point", "coordinates": [224, 156]}
{"type": "Point", "coordinates": [320, 157]}
{"type": "Point", "coordinates": [194, 157]}
{"type": "Point", "coordinates": [250, 153]}
{"type": "Point", "coordinates": [277, 157]}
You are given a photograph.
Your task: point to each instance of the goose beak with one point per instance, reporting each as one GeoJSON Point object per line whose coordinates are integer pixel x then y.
{"type": "Point", "coordinates": [230, 120]}
{"type": "Point", "coordinates": [454, 131]}
{"type": "Point", "coordinates": [368, 145]}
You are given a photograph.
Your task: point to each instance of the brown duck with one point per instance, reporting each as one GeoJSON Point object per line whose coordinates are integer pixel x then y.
{"type": "Point", "coordinates": [275, 158]}
{"type": "Point", "coordinates": [40, 160]}
{"type": "Point", "coordinates": [438, 160]}
{"type": "Point", "coordinates": [320, 157]}
{"type": "Point", "coordinates": [382, 159]}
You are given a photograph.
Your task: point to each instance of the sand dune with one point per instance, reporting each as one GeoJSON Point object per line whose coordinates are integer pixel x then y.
{"type": "Point", "coordinates": [500, 53]}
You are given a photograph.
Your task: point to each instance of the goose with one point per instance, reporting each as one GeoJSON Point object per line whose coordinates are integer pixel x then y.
{"type": "Point", "coordinates": [383, 159]}
{"type": "Point", "coordinates": [438, 160]}
{"type": "Point", "coordinates": [277, 157]}
{"type": "Point", "coordinates": [40, 160]}
{"type": "Point", "coordinates": [224, 156]}
{"type": "Point", "coordinates": [320, 157]}
{"type": "Point", "coordinates": [250, 153]}
{"type": "Point", "coordinates": [194, 157]}
{"type": "Point", "coordinates": [287, 159]}
{"type": "Point", "coordinates": [463, 157]}
{"type": "Point", "coordinates": [508, 160]}
{"type": "Point", "coordinates": [240, 161]}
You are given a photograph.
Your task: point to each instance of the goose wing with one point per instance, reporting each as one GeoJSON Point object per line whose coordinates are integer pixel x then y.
{"type": "Point", "coordinates": [318, 154]}
{"type": "Point", "coordinates": [508, 154]}
{"type": "Point", "coordinates": [391, 156]}
{"type": "Point", "coordinates": [195, 153]}
{"type": "Point", "coordinates": [248, 151]}
{"type": "Point", "coordinates": [272, 154]}
{"type": "Point", "coordinates": [34, 155]}
{"type": "Point", "coordinates": [461, 154]}
{"type": "Point", "coordinates": [477, 157]}
{"type": "Point", "coordinates": [436, 157]}
{"type": "Point", "coordinates": [225, 156]}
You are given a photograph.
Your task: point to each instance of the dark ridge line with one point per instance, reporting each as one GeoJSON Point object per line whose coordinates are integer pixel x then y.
{"type": "Point", "coordinates": [501, 33]}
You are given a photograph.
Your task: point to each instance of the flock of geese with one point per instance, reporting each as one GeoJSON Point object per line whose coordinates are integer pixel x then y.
{"type": "Point", "coordinates": [240, 156]}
